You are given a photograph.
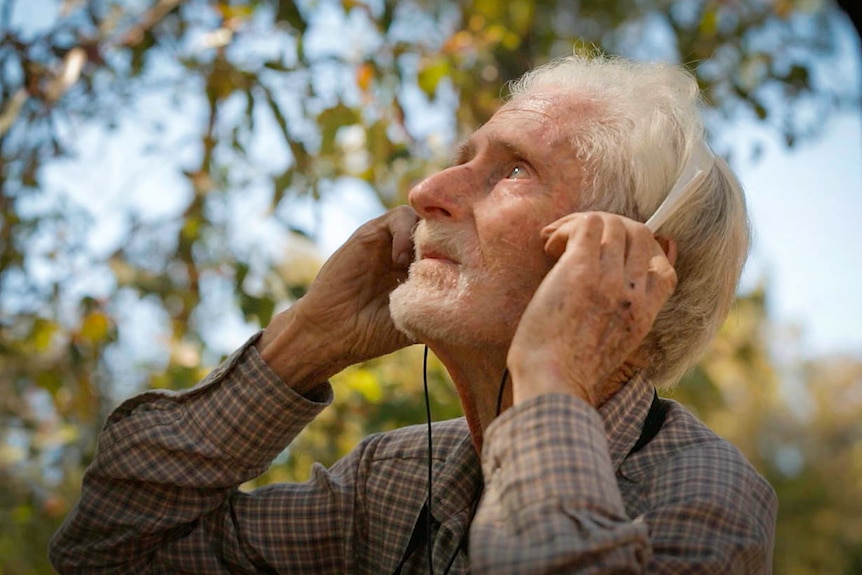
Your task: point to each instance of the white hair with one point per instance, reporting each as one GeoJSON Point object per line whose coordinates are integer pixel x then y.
{"type": "Point", "coordinates": [640, 122]}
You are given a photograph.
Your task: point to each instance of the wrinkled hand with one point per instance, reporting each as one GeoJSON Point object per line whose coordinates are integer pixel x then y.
{"type": "Point", "coordinates": [592, 310]}
{"type": "Point", "coordinates": [344, 317]}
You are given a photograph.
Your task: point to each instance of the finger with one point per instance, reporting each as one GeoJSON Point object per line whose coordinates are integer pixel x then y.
{"type": "Point", "coordinates": [640, 250]}
{"type": "Point", "coordinates": [580, 234]}
{"type": "Point", "coordinates": [614, 241]}
{"type": "Point", "coordinates": [555, 225]}
{"type": "Point", "coordinates": [555, 243]}
{"type": "Point", "coordinates": [401, 224]}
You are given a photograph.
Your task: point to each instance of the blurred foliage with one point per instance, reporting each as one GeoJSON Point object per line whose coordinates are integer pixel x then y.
{"type": "Point", "coordinates": [800, 423]}
{"type": "Point", "coordinates": [275, 104]}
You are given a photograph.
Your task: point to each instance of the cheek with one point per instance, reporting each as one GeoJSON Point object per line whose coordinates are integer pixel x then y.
{"type": "Point", "coordinates": [513, 232]}
{"type": "Point", "coordinates": [514, 255]}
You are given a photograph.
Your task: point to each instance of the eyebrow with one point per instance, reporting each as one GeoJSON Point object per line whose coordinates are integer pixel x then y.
{"type": "Point", "coordinates": [467, 149]}
{"type": "Point", "coordinates": [463, 153]}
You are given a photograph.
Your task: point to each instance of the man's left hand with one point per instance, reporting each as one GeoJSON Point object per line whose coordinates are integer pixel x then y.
{"type": "Point", "coordinates": [592, 310]}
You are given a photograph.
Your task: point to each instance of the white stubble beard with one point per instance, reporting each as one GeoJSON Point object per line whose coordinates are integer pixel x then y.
{"type": "Point", "coordinates": [430, 305]}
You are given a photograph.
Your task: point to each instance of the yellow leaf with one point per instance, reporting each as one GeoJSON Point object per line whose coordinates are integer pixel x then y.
{"type": "Point", "coordinates": [709, 23]}
{"type": "Point", "coordinates": [229, 12]}
{"type": "Point", "coordinates": [42, 334]}
{"type": "Point", "coordinates": [365, 383]}
{"type": "Point", "coordinates": [95, 326]}
{"type": "Point", "coordinates": [521, 14]}
{"type": "Point", "coordinates": [493, 9]}
{"type": "Point", "coordinates": [510, 41]}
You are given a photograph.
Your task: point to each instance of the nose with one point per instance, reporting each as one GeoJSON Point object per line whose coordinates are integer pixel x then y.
{"type": "Point", "coordinates": [444, 195]}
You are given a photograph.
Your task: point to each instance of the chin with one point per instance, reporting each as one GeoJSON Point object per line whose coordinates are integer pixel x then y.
{"type": "Point", "coordinates": [446, 316]}
{"type": "Point", "coordinates": [425, 314]}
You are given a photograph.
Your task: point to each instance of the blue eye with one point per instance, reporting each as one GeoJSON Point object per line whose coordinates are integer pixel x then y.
{"type": "Point", "coordinates": [517, 172]}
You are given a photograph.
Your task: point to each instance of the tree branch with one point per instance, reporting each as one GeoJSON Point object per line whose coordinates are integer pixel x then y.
{"type": "Point", "coordinates": [153, 16]}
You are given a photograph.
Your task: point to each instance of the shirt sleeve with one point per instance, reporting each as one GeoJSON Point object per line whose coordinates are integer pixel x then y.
{"type": "Point", "coordinates": [551, 502]}
{"type": "Point", "coordinates": [162, 492]}
{"type": "Point", "coordinates": [553, 505]}
{"type": "Point", "coordinates": [710, 513]}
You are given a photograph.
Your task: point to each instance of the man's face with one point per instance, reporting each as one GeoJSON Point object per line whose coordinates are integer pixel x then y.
{"type": "Point", "coordinates": [479, 253]}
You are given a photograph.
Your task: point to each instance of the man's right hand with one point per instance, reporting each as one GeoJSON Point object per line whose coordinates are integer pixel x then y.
{"type": "Point", "coordinates": [344, 317]}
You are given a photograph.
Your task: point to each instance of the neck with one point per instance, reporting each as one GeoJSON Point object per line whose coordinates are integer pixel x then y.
{"type": "Point", "coordinates": [477, 373]}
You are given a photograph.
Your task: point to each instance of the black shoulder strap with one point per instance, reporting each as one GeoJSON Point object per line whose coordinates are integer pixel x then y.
{"type": "Point", "coordinates": [652, 424]}
{"type": "Point", "coordinates": [417, 538]}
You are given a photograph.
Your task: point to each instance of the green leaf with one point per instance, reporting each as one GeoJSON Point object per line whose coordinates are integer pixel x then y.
{"type": "Point", "coordinates": [255, 308]}
{"type": "Point", "coordinates": [288, 12]}
{"type": "Point", "coordinates": [280, 184]}
{"type": "Point", "coordinates": [388, 14]}
{"type": "Point", "coordinates": [276, 66]}
{"type": "Point", "coordinates": [798, 77]}
{"type": "Point", "coordinates": [330, 120]}
{"type": "Point", "coordinates": [50, 381]}
{"type": "Point", "coordinates": [431, 74]}
{"type": "Point", "coordinates": [140, 52]}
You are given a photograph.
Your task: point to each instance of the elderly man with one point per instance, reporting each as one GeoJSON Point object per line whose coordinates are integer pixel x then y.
{"type": "Point", "coordinates": [555, 311]}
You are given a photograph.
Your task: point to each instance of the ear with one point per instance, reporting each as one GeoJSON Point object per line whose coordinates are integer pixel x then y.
{"type": "Point", "coordinates": [669, 248]}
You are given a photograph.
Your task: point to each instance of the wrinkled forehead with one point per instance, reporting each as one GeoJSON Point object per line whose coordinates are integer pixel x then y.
{"type": "Point", "coordinates": [557, 111]}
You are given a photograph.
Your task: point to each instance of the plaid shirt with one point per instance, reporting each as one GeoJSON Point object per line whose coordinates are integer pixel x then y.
{"type": "Point", "coordinates": [561, 493]}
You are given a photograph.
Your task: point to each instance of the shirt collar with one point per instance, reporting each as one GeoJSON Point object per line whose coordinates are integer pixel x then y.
{"type": "Point", "coordinates": [624, 415]}
{"type": "Point", "coordinates": [458, 482]}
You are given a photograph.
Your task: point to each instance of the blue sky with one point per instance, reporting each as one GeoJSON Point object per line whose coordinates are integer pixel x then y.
{"type": "Point", "coordinates": [806, 209]}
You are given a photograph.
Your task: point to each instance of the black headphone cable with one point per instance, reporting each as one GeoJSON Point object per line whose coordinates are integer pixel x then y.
{"type": "Point", "coordinates": [428, 525]}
